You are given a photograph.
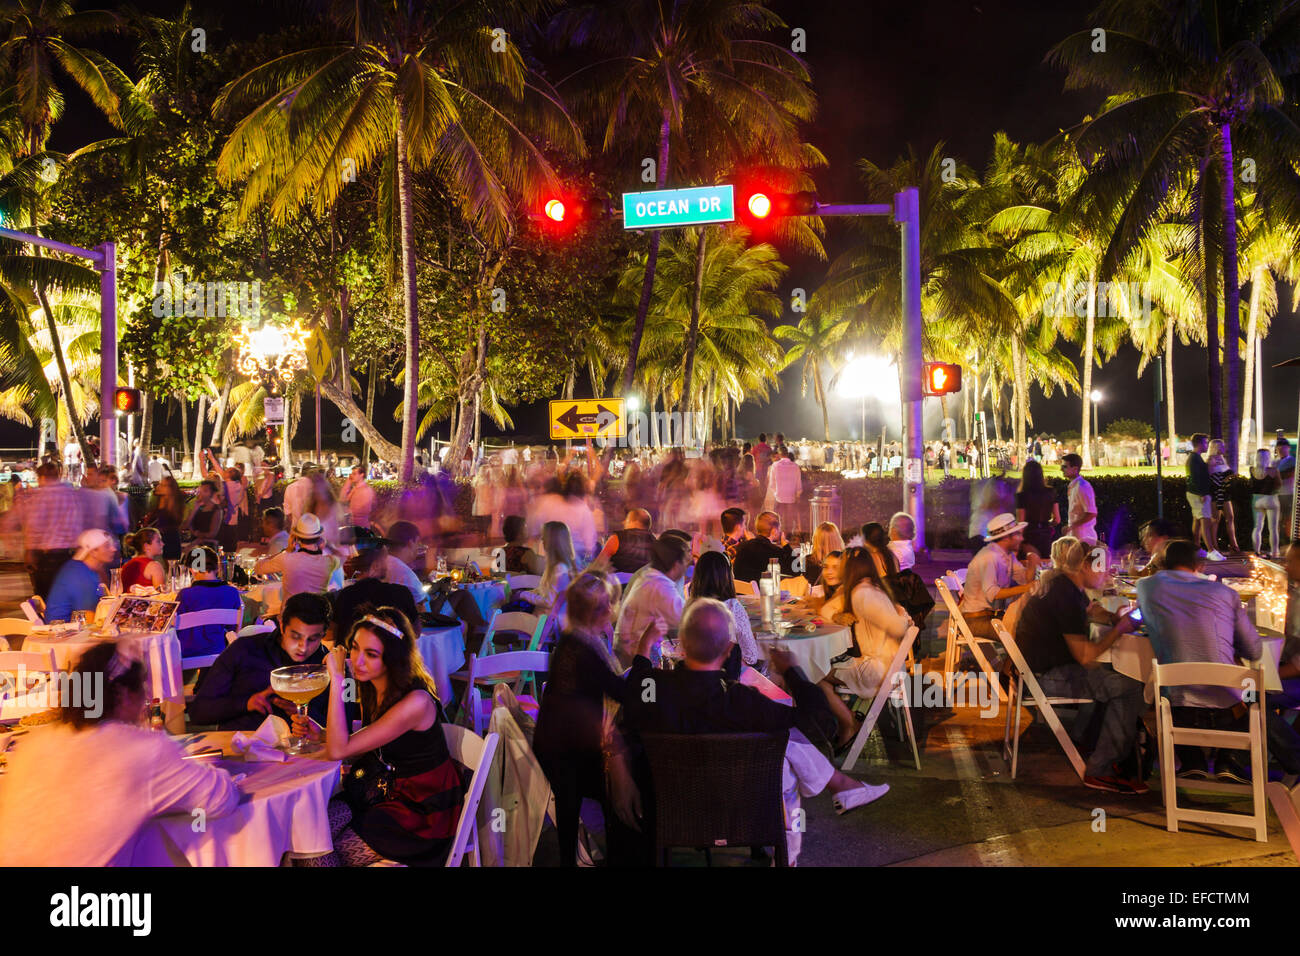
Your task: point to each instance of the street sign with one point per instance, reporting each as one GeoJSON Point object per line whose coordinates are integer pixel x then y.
{"type": "Point", "coordinates": [319, 355]}
{"type": "Point", "coordinates": [587, 418]}
{"type": "Point", "coordinates": [912, 470]}
{"type": "Point", "coordinates": [678, 207]}
{"type": "Point", "coordinates": [273, 410]}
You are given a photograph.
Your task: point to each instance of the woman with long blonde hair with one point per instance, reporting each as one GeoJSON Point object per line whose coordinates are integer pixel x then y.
{"type": "Point", "coordinates": [825, 540]}
{"type": "Point", "coordinates": [561, 565]}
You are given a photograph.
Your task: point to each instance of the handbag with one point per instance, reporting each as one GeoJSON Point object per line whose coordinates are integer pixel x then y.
{"type": "Point", "coordinates": [369, 781]}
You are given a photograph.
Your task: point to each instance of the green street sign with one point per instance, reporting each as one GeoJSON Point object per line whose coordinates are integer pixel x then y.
{"type": "Point", "coordinates": [678, 207]}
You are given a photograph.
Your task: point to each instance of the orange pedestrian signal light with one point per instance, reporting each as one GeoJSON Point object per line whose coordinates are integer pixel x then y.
{"type": "Point", "coordinates": [941, 378]}
{"type": "Point", "coordinates": [126, 401]}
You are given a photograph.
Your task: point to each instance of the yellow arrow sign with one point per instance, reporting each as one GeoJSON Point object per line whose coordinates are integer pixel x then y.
{"type": "Point", "coordinates": [587, 418]}
{"type": "Point", "coordinates": [319, 355]}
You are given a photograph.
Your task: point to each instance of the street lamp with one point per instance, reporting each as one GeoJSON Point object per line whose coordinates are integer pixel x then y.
{"type": "Point", "coordinates": [272, 352]}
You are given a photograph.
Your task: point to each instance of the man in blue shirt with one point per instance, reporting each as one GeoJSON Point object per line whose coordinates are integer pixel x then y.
{"type": "Point", "coordinates": [1189, 619]}
{"type": "Point", "coordinates": [77, 586]}
{"type": "Point", "coordinates": [204, 609]}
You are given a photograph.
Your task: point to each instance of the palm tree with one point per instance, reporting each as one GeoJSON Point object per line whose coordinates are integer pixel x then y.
{"type": "Point", "coordinates": [814, 342]}
{"type": "Point", "coordinates": [690, 65]}
{"type": "Point", "coordinates": [1193, 81]}
{"type": "Point", "coordinates": [416, 88]}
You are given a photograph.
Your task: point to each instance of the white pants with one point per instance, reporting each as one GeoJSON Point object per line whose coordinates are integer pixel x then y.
{"type": "Point", "coordinates": [805, 773]}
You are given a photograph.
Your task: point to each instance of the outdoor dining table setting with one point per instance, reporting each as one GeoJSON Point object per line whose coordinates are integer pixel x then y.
{"type": "Point", "coordinates": [810, 640]}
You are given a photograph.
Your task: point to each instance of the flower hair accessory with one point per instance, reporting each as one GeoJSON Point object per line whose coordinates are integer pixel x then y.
{"type": "Point", "coordinates": [383, 625]}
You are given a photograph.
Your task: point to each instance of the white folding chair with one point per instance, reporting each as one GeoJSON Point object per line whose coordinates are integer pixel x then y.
{"type": "Point", "coordinates": [1286, 804]}
{"type": "Point", "coordinates": [475, 753]}
{"type": "Point", "coordinates": [894, 686]}
{"type": "Point", "coordinates": [34, 609]}
{"type": "Point", "coordinates": [17, 669]}
{"type": "Point", "coordinates": [1045, 704]}
{"type": "Point", "coordinates": [522, 582]}
{"type": "Point", "coordinates": [797, 586]}
{"type": "Point", "coordinates": [229, 618]}
{"type": "Point", "coordinates": [1254, 739]}
{"type": "Point", "coordinates": [513, 667]}
{"type": "Point", "coordinates": [959, 636]}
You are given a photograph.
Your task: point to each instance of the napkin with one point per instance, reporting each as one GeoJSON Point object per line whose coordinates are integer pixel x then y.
{"type": "Point", "coordinates": [143, 590]}
{"type": "Point", "coordinates": [261, 744]}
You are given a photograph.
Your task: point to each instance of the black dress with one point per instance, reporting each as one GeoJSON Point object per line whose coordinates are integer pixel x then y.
{"type": "Point", "coordinates": [1037, 505]}
{"type": "Point", "coordinates": [417, 823]}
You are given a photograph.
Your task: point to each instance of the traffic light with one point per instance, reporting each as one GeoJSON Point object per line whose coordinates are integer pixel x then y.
{"type": "Point", "coordinates": [126, 401]}
{"type": "Point", "coordinates": [759, 205]}
{"type": "Point", "coordinates": [562, 212]}
{"type": "Point", "coordinates": [941, 378]}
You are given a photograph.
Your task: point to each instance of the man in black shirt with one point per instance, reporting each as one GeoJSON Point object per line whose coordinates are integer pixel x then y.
{"type": "Point", "coordinates": [235, 693]}
{"type": "Point", "coordinates": [628, 548]}
{"type": "Point", "coordinates": [371, 588]}
{"type": "Point", "coordinates": [752, 556]}
{"type": "Point", "coordinates": [1053, 638]}
{"type": "Point", "coordinates": [697, 698]}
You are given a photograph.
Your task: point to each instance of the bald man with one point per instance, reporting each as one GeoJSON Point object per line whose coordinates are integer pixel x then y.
{"type": "Point", "coordinates": [628, 549]}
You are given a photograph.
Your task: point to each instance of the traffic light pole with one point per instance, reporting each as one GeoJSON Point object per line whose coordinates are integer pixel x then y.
{"type": "Point", "coordinates": [104, 259]}
{"type": "Point", "coordinates": [906, 212]}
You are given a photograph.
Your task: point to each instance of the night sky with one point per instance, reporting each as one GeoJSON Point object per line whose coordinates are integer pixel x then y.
{"type": "Point", "coordinates": [889, 75]}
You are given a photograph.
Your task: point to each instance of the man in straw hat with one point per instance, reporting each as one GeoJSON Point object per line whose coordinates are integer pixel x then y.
{"type": "Point", "coordinates": [304, 566]}
{"type": "Point", "coordinates": [995, 575]}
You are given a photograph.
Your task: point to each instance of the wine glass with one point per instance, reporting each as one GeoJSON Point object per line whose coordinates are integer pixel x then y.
{"type": "Point", "coordinates": [300, 683]}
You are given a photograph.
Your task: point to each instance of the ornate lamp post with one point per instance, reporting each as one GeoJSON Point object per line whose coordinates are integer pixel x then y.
{"type": "Point", "coordinates": [273, 354]}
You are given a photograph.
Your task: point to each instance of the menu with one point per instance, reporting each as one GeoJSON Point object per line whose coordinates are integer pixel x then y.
{"type": "Point", "coordinates": [136, 615]}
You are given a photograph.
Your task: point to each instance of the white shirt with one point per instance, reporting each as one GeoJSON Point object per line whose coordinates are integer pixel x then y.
{"type": "Point", "coordinates": [1082, 500]}
{"type": "Point", "coordinates": [155, 470]}
{"type": "Point", "coordinates": [572, 512]}
{"type": "Point", "coordinates": [301, 571]}
{"type": "Point", "coordinates": [786, 481]}
{"type": "Point", "coordinates": [651, 596]}
{"type": "Point", "coordinates": [71, 453]}
{"type": "Point", "coordinates": [400, 573]}
{"type": "Point", "coordinates": [903, 554]}
{"type": "Point", "coordinates": [296, 498]}
{"type": "Point", "coordinates": [123, 775]}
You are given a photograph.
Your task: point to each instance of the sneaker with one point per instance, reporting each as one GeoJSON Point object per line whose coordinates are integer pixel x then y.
{"type": "Point", "coordinates": [1231, 773]}
{"type": "Point", "coordinates": [1133, 783]}
{"type": "Point", "coordinates": [1110, 784]}
{"type": "Point", "coordinates": [851, 799]}
{"type": "Point", "coordinates": [1215, 556]}
{"type": "Point", "coordinates": [1194, 773]}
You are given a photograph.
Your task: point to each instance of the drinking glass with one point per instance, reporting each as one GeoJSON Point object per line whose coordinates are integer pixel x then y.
{"type": "Point", "coordinates": [115, 581]}
{"type": "Point", "coordinates": [301, 684]}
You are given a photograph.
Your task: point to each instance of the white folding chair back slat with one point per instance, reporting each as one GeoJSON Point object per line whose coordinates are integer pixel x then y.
{"type": "Point", "coordinates": [475, 753]}
{"type": "Point", "coordinates": [1286, 804]}
{"type": "Point", "coordinates": [797, 586]}
{"type": "Point", "coordinates": [15, 627]}
{"type": "Point", "coordinates": [745, 587]}
{"type": "Point", "coordinates": [889, 687]}
{"type": "Point", "coordinates": [41, 662]}
{"type": "Point", "coordinates": [1254, 740]}
{"type": "Point", "coordinates": [34, 610]}
{"type": "Point", "coordinates": [523, 666]}
{"type": "Point", "coordinates": [1045, 704]}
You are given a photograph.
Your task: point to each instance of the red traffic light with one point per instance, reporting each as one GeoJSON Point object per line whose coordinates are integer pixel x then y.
{"type": "Point", "coordinates": [941, 378]}
{"type": "Point", "coordinates": [555, 210]}
{"type": "Point", "coordinates": [760, 206]}
{"type": "Point", "coordinates": [567, 211]}
{"type": "Point", "coordinates": [126, 401]}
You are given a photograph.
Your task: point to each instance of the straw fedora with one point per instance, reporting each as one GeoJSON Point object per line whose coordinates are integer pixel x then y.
{"type": "Point", "coordinates": [307, 527]}
{"type": "Point", "coordinates": [1003, 525]}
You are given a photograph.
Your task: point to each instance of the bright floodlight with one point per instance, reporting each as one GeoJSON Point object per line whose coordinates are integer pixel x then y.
{"type": "Point", "coordinates": [555, 210]}
{"type": "Point", "coordinates": [759, 206]}
{"type": "Point", "coordinates": [633, 403]}
{"type": "Point", "coordinates": [870, 376]}
{"type": "Point", "coordinates": [268, 341]}
{"type": "Point", "coordinates": [1096, 395]}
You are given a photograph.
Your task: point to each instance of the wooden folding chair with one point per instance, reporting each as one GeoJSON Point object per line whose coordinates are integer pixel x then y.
{"type": "Point", "coordinates": [1286, 804]}
{"type": "Point", "coordinates": [890, 688]}
{"type": "Point", "coordinates": [797, 586]}
{"type": "Point", "coordinates": [513, 667]}
{"type": "Point", "coordinates": [959, 636]}
{"type": "Point", "coordinates": [1254, 740]}
{"type": "Point", "coordinates": [1045, 704]}
{"type": "Point", "coordinates": [475, 753]}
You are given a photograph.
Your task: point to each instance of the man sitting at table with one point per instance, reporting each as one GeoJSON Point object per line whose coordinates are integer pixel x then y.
{"type": "Point", "coordinates": [697, 698]}
{"type": "Point", "coordinates": [277, 539]}
{"type": "Point", "coordinates": [1154, 535]}
{"type": "Point", "coordinates": [207, 593]}
{"type": "Point", "coordinates": [1053, 637]}
{"type": "Point", "coordinates": [752, 556]}
{"type": "Point", "coordinates": [995, 575]}
{"type": "Point", "coordinates": [403, 540]}
{"type": "Point", "coordinates": [77, 585]}
{"type": "Point", "coordinates": [653, 595]}
{"type": "Point", "coordinates": [235, 692]}
{"type": "Point", "coordinates": [304, 566]}
{"type": "Point", "coordinates": [1193, 619]}
{"type": "Point", "coordinates": [371, 588]}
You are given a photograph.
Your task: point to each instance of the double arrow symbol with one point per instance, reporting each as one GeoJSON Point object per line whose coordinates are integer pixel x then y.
{"type": "Point", "coordinates": [572, 418]}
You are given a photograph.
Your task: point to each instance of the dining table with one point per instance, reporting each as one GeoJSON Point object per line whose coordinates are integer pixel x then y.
{"type": "Point", "coordinates": [811, 641]}
{"type": "Point", "coordinates": [283, 811]}
{"type": "Point", "coordinates": [443, 651]}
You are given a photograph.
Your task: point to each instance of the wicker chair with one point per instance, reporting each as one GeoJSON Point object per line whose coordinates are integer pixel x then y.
{"type": "Point", "coordinates": [717, 790]}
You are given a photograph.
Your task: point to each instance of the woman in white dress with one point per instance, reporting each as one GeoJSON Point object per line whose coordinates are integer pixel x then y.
{"type": "Point", "coordinates": [878, 628]}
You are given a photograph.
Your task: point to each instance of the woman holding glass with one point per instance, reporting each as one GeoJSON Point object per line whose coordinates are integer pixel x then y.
{"type": "Point", "coordinates": [415, 820]}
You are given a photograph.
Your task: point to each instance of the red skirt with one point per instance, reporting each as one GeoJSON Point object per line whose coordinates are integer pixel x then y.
{"type": "Point", "coordinates": [417, 822]}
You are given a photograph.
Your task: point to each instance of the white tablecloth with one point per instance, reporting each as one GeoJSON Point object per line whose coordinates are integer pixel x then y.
{"type": "Point", "coordinates": [263, 600]}
{"type": "Point", "coordinates": [284, 810]}
{"type": "Point", "coordinates": [443, 651]}
{"type": "Point", "coordinates": [813, 652]}
{"type": "Point", "coordinates": [1132, 656]}
{"type": "Point", "coordinates": [161, 654]}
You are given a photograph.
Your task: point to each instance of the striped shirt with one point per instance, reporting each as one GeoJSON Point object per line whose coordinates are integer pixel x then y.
{"type": "Point", "coordinates": [52, 517]}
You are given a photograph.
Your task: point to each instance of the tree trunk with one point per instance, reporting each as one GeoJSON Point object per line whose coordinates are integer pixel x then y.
{"type": "Point", "coordinates": [65, 381]}
{"type": "Point", "coordinates": [185, 425]}
{"type": "Point", "coordinates": [1017, 396]}
{"type": "Point", "coordinates": [198, 432]}
{"type": "Point", "coordinates": [365, 424]}
{"type": "Point", "coordinates": [1090, 329]}
{"type": "Point", "coordinates": [218, 436]}
{"type": "Point", "coordinates": [1214, 370]}
{"type": "Point", "coordinates": [652, 261]}
{"type": "Point", "coordinates": [410, 304]}
{"type": "Point", "coordinates": [1248, 390]}
{"type": "Point", "coordinates": [370, 403]}
{"type": "Point", "coordinates": [1231, 304]}
{"type": "Point", "coordinates": [146, 421]}
{"type": "Point", "coordinates": [820, 390]}
{"type": "Point", "coordinates": [693, 333]}
{"type": "Point", "coordinates": [1169, 388]}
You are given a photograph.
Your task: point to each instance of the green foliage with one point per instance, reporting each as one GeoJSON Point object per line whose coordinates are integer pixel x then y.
{"type": "Point", "coordinates": [1123, 428]}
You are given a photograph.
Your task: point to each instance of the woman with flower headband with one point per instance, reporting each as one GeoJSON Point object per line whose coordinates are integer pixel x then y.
{"type": "Point", "coordinates": [78, 791]}
{"type": "Point", "coordinates": [415, 819]}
